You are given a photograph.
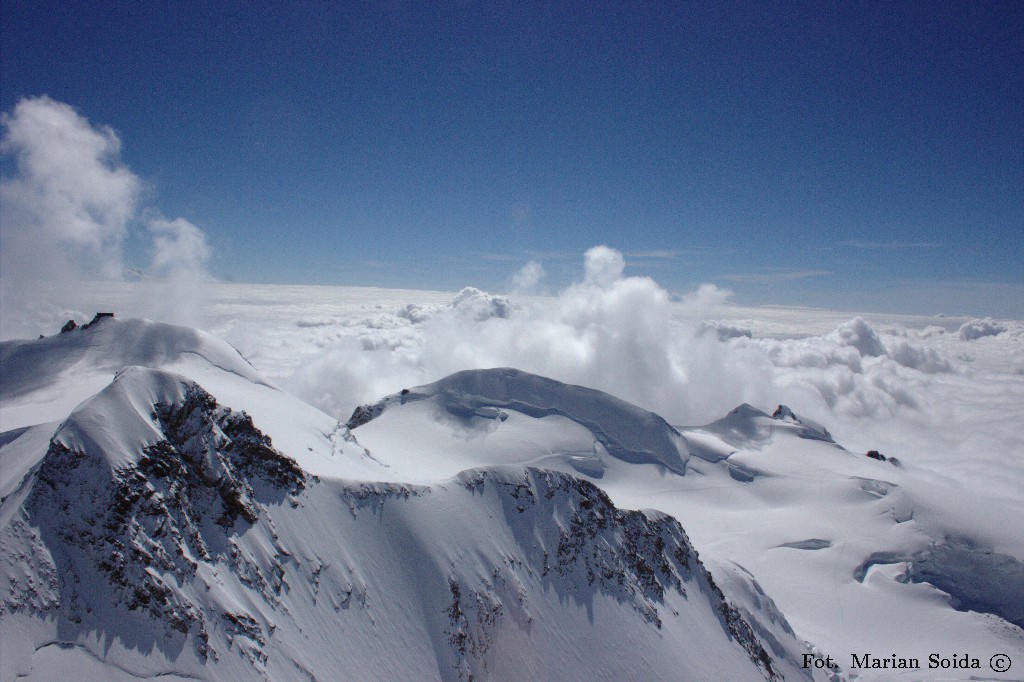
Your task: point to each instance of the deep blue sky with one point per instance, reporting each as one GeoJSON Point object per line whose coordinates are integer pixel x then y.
{"type": "Point", "coordinates": [848, 155]}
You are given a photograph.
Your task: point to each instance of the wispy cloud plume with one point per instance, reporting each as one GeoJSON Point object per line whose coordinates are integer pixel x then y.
{"type": "Point", "coordinates": [888, 246]}
{"type": "Point", "coordinates": [180, 253]}
{"type": "Point", "coordinates": [69, 206]}
{"type": "Point", "coordinates": [602, 266]}
{"type": "Point", "coordinates": [69, 209]}
{"type": "Point", "coordinates": [781, 276]}
{"type": "Point", "coordinates": [528, 279]}
{"type": "Point", "coordinates": [662, 254]}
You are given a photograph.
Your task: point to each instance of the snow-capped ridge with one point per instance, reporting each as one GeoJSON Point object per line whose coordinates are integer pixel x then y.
{"type": "Point", "coordinates": [141, 484]}
{"type": "Point", "coordinates": [107, 341]}
{"type": "Point", "coordinates": [117, 423]}
{"type": "Point", "coordinates": [810, 429]}
{"type": "Point", "coordinates": [44, 378]}
{"type": "Point", "coordinates": [168, 523]}
{"type": "Point", "coordinates": [71, 325]}
{"type": "Point", "coordinates": [568, 538]}
{"type": "Point", "coordinates": [626, 431]}
{"type": "Point", "coordinates": [145, 410]}
{"type": "Point", "coordinates": [763, 614]}
{"type": "Point", "coordinates": [746, 424]}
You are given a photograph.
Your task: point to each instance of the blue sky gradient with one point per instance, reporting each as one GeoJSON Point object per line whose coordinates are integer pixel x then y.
{"type": "Point", "coordinates": [858, 156]}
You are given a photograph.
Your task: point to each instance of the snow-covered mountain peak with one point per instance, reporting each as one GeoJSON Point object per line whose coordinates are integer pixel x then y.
{"type": "Point", "coordinates": [110, 342]}
{"type": "Point", "coordinates": [805, 428]}
{"type": "Point", "coordinates": [746, 425]}
{"type": "Point", "coordinates": [141, 484]}
{"type": "Point", "coordinates": [145, 408]}
{"type": "Point", "coordinates": [784, 412]}
{"type": "Point", "coordinates": [45, 378]}
{"type": "Point", "coordinates": [117, 423]}
{"type": "Point", "coordinates": [624, 431]}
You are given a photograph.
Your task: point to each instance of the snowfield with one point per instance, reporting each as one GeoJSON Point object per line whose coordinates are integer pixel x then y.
{"type": "Point", "coordinates": [603, 484]}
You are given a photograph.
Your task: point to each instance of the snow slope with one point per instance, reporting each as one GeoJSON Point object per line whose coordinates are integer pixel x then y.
{"type": "Point", "coordinates": [199, 523]}
{"type": "Point", "coordinates": [856, 551]}
{"type": "Point", "coordinates": [165, 511]}
{"type": "Point", "coordinates": [622, 431]}
{"type": "Point", "coordinates": [45, 378]}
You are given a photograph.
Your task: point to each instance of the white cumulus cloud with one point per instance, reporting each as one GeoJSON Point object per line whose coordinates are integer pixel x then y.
{"type": "Point", "coordinates": [528, 278]}
{"type": "Point", "coordinates": [67, 212]}
{"type": "Point", "coordinates": [602, 266]}
{"type": "Point", "coordinates": [70, 204]}
{"type": "Point", "coordinates": [976, 329]}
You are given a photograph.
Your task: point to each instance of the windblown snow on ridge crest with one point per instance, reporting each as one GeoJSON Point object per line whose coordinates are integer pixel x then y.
{"type": "Point", "coordinates": [45, 378]}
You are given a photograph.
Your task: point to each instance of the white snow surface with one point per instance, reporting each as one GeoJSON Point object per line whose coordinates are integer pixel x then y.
{"type": "Point", "coordinates": [155, 534]}
{"type": "Point", "coordinates": [820, 548]}
{"type": "Point", "coordinates": [45, 378]}
{"type": "Point", "coordinates": [828, 534]}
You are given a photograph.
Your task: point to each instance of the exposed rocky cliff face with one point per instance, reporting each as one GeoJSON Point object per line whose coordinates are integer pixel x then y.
{"type": "Point", "coordinates": [143, 527]}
